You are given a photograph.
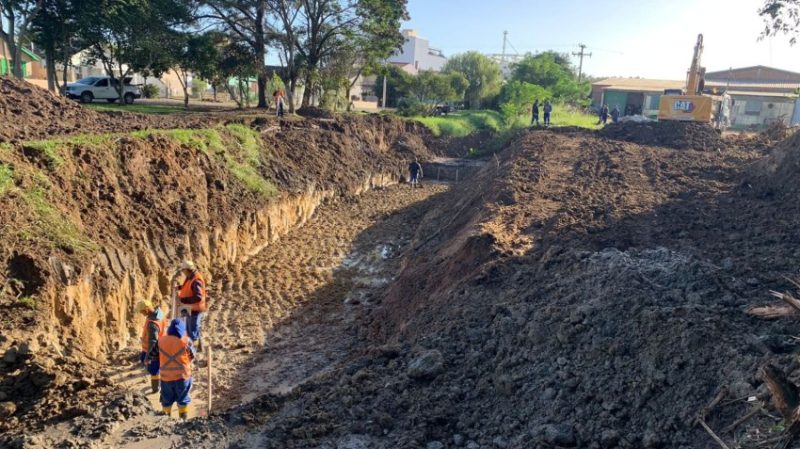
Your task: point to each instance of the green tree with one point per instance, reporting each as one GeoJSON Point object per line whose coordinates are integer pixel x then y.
{"type": "Point", "coordinates": [247, 21]}
{"type": "Point", "coordinates": [194, 55]}
{"type": "Point", "coordinates": [238, 63]}
{"type": "Point", "coordinates": [398, 83]}
{"type": "Point", "coordinates": [55, 31]}
{"type": "Point", "coordinates": [16, 17]}
{"type": "Point", "coordinates": [429, 89]}
{"type": "Point", "coordinates": [482, 73]}
{"type": "Point", "coordinates": [553, 72]}
{"type": "Point", "coordinates": [517, 96]}
{"type": "Point", "coordinates": [112, 30]}
{"type": "Point", "coordinates": [781, 17]}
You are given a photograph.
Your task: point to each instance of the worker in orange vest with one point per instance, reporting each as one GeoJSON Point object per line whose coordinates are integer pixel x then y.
{"type": "Point", "coordinates": [155, 326]}
{"type": "Point", "coordinates": [175, 353]}
{"type": "Point", "coordinates": [192, 293]}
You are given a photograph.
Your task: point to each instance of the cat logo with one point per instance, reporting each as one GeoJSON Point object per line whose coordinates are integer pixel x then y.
{"type": "Point", "coordinates": [683, 106]}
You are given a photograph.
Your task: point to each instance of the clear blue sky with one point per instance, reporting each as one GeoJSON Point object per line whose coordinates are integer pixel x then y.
{"type": "Point", "coordinates": [647, 38]}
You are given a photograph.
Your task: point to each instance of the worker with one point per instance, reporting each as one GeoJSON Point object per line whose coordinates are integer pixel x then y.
{"type": "Point", "coordinates": [548, 109]}
{"type": "Point", "coordinates": [175, 353]}
{"type": "Point", "coordinates": [603, 115]}
{"type": "Point", "coordinates": [415, 170]}
{"type": "Point", "coordinates": [192, 293]}
{"type": "Point", "coordinates": [615, 114]}
{"type": "Point", "coordinates": [155, 326]}
{"type": "Point", "coordinates": [278, 96]}
{"type": "Point", "coordinates": [535, 113]}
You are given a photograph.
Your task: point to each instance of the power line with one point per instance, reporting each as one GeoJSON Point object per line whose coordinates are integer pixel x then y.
{"type": "Point", "coordinates": [581, 54]}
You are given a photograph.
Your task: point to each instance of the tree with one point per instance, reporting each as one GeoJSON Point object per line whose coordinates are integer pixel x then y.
{"type": "Point", "coordinates": [398, 83]}
{"type": "Point", "coordinates": [113, 33]}
{"type": "Point", "coordinates": [238, 62]}
{"type": "Point", "coordinates": [285, 35]}
{"type": "Point", "coordinates": [194, 54]}
{"type": "Point", "coordinates": [516, 96]}
{"type": "Point", "coordinates": [482, 73]}
{"type": "Point", "coordinates": [429, 89]}
{"type": "Point", "coordinates": [55, 30]}
{"type": "Point", "coordinates": [16, 17]}
{"type": "Point", "coordinates": [781, 17]}
{"type": "Point", "coordinates": [326, 24]}
{"type": "Point", "coordinates": [553, 72]}
{"type": "Point", "coordinates": [247, 21]}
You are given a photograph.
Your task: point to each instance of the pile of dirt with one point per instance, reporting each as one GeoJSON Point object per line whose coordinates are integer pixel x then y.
{"type": "Point", "coordinates": [314, 112]}
{"type": "Point", "coordinates": [670, 134]}
{"type": "Point", "coordinates": [29, 112]}
{"type": "Point", "coordinates": [586, 293]}
{"type": "Point", "coordinates": [777, 173]}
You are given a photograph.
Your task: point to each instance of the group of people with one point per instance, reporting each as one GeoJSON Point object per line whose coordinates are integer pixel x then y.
{"type": "Point", "coordinates": [603, 113]}
{"type": "Point", "coordinates": [547, 109]}
{"type": "Point", "coordinates": [168, 347]}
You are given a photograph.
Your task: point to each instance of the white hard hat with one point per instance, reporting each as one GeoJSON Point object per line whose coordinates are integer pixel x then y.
{"type": "Point", "coordinates": [187, 265]}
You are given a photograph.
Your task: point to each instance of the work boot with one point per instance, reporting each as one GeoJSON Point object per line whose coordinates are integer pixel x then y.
{"type": "Point", "coordinates": [166, 411]}
{"type": "Point", "coordinates": [198, 344]}
{"type": "Point", "coordinates": [155, 383]}
{"type": "Point", "coordinates": [183, 412]}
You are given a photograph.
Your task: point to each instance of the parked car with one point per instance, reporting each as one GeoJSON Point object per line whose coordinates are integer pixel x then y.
{"type": "Point", "coordinates": [102, 88]}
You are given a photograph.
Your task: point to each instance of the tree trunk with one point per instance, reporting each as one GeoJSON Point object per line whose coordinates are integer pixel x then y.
{"type": "Point", "coordinates": [262, 91]}
{"type": "Point", "coordinates": [307, 88]}
{"type": "Point", "coordinates": [50, 60]}
{"type": "Point", "coordinates": [290, 93]}
{"type": "Point", "coordinates": [261, 53]}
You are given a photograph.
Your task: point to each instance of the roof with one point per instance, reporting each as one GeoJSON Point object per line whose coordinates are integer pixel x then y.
{"type": "Point", "coordinates": [725, 73]}
{"type": "Point", "coordinates": [639, 84]}
{"type": "Point", "coordinates": [744, 93]}
{"type": "Point", "coordinates": [744, 84]}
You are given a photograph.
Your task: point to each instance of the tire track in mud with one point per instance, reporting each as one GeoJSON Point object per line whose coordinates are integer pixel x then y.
{"type": "Point", "coordinates": [296, 312]}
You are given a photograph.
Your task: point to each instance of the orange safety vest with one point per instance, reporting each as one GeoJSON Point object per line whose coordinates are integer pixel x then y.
{"type": "Point", "coordinates": [162, 330]}
{"type": "Point", "coordinates": [187, 292]}
{"type": "Point", "coordinates": [173, 357]}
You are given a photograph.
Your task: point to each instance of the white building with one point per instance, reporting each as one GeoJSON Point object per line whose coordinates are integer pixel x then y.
{"type": "Point", "coordinates": [417, 54]}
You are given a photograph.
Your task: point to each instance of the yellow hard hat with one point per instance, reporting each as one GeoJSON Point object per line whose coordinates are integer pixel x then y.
{"type": "Point", "coordinates": [144, 305]}
{"type": "Point", "coordinates": [187, 265]}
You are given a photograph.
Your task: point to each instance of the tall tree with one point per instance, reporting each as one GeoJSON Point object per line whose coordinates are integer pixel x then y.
{"type": "Point", "coordinates": [16, 17]}
{"type": "Point", "coordinates": [193, 55]}
{"type": "Point", "coordinates": [55, 29]}
{"type": "Point", "coordinates": [781, 17]}
{"type": "Point", "coordinates": [247, 20]}
{"type": "Point", "coordinates": [544, 69]}
{"type": "Point", "coordinates": [286, 33]}
{"type": "Point", "coordinates": [327, 24]}
{"type": "Point", "coordinates": [130, 35]}
{"type": "Point", "coordinates": [482, 73]}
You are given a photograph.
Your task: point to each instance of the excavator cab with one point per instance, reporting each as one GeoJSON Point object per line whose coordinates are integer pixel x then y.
{"type": "Point", "coordinates": [691, 105]}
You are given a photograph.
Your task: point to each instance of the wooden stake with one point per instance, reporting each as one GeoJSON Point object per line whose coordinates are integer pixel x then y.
{"type": "Point", "coordinates": [713, 435]}
{"type": "Point", "coordinates": [753, 412]}
{"type": "Point", "coordinates": [210, 390]}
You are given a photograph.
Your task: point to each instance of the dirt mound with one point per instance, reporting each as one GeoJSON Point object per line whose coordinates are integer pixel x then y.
{"type": "Point", "coordinates": [29, 112]}
{"type": "Point", "coordinates": [777, 173]}
{"type": "Point", "coordinates": [314, 112]}
{"type": "Point", "coordinates": [670, 134]}
{"type": "Point", "coordinates": [585, 293]}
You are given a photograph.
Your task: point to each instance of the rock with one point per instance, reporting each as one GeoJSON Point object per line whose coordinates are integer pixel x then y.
{"type": "Point", "coordinates": [10, 356]}
{"type": "Point", "coordinates": [7, 409]}
{"type": "Point", "coordinates": [500, 442]}
{"type": "Point", "coordinates": [428, 365]}
{"type": "Point", "coordinates": [651, 440]}
{"type": "Point", "coordinates": [562, 435]}
{"type": "Point", "coordinates": [473, 445]}
{"type": "Point", "coordinates": [458, 440]}
{"type": "Point", "coordinates": [609, 438]}
{"type": "Point", "coordinates": [435, 445]}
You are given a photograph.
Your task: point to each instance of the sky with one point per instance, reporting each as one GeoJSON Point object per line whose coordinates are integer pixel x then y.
{"type": "Point", "coordinates": [644, 38]}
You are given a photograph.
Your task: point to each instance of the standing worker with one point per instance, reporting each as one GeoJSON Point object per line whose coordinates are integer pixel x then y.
{"type": "Point", "coordinates": [192, 293]}
{"type": "Point", "coordinates": [615, 114]}
{"type": "Point", "coordinates": [603, 114]}
{"type": "Point", "coordinates": [155, 327]}
{"type": "Point", "coordinates": [535, 113]}
{"type": "Point", "coordinates": [175, 353]}
{"type": "Point", "coordinates": [278, 94]}
{"type": "Point", "coordinates": [415, 170]}
{"type": "Point", "coordinates": [548, 108]}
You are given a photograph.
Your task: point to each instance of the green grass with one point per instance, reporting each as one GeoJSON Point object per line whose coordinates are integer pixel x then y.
{"type": "Point", "coordinates": [6, 178]}
{"type": "Point", "coordinates": [569, 116]}
{"type": "Point", "coordinates": [52, 224]}
{"type": "Point", "coordinates": [50, 150]}
{"type": "Point", "coordinates": [28, 302]}
{"type": "Point", "coordinates": [137, 108]}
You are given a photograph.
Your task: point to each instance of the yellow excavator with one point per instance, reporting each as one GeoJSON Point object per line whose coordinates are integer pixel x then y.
{"type": "Point", "coordinates": [692, 105]}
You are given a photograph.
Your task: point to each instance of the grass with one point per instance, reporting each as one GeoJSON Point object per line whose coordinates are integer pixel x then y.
{"type": "Point", "coordinates": [50, 150]}
{"type": "Point", "coordinates": [52, 224]}
{"type": "Point", "coordinates": [464, 123]}
{"type": "Point", "coordinates": [137, 108]}
{"type": "Point", "coordinates": [6, 178]}
{"type": "Point", "coordinates": [28, 302]}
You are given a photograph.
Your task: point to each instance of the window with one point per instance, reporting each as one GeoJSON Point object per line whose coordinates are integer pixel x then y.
{"type": "Point", "coordinates": [102, 83]}
{"type": "Point", "coordinates": [653, 102]}
{"type": "Point", "coordinates": [752, 107]}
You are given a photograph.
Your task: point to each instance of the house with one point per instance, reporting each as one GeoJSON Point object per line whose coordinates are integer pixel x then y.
{"type": "Point", "coordinates": [632, 95]}
{"type": "Point", "coordinates": [417, 54]}
{"type": "Point", "coordinates": [31, 63]}
{"type": "Point", "coordinates": [761, 95]}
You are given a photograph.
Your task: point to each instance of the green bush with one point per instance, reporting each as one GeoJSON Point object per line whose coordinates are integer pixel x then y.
{"type": "Point", "coordinates": [410, 107]}
{"type": "Point", "coordinates": [199, 87]}
{"type": "Point", "coordinates": [150, 91]}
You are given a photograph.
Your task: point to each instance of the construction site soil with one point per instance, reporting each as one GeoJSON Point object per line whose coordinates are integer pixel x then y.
{"type": "Point", "coordinates": [578, 291]}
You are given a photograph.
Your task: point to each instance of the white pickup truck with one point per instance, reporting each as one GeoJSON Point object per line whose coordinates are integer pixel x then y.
{"type": "Point", "coordinates": [101, 88]}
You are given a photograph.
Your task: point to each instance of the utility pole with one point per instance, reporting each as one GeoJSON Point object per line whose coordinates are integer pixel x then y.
{"type": "Point", "coordinates": [385, 75]}
{"type": "Point", "coordinates": [581, 54]}
{"type": "Point", "coordinates": [503, 55]}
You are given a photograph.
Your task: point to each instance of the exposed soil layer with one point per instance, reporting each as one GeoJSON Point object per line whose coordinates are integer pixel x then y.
{"type": "Point", "coordinates": [777, 174]}
{"type": "Point", "coordinates": [95, 223]}
{"type": "Point", "coordinates": [586, 293]}
{"type": "Point", "coordinates": [670, 134]}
